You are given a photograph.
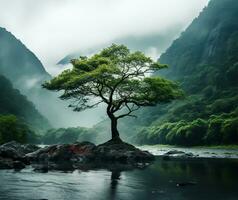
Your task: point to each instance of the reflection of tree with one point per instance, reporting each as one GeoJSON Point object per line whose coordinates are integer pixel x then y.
{"type": "Point", "coordinates": [115, 177]}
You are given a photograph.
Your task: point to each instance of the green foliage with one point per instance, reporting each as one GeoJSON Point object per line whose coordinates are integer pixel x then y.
{"type": "Point", "coordinates": [213, 135]}
{"type": "Point", "coordinates": [13, 129]}
{"type": "Point", "coordinates": [224, 105]}
{"type": "Point", "coordinates": [217, 130]}
{"type": "Point", "coordinates": [229, 130]}
{"type": "Point", "coordinates": [117, 77]}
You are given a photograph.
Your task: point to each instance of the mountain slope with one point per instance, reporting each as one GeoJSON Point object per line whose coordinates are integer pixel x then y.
{"type": "Point", "coordinates": [210, 39]}
{"type": "Point", "coordinates": [204, 60]}
{"type": "Point", "coordinates": [18, 63]}
{"type": "Point", "coordinates": [26, 72]}
{"type": "Point", "coordinates": [13, 102]}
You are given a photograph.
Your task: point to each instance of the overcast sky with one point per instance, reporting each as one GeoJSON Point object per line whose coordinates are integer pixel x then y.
{"type": "Point", "coordinates": [53, 29]}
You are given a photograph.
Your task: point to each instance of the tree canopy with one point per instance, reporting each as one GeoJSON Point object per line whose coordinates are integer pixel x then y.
{"type": "Point", "coordinates": [117, 77]}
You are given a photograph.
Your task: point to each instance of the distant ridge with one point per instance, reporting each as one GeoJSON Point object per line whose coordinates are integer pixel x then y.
{"type": "Point", "coordinates": [17, 62]}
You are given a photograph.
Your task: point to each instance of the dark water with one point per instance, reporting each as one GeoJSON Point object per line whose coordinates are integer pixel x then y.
{"type": "Point", "coordinates": [211, 179]}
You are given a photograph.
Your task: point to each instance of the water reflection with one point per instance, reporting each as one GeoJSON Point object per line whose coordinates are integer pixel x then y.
{"type": "Point", "coordinates": [214, 180]}
{"type": "Point", "coordinates": [115, 177]}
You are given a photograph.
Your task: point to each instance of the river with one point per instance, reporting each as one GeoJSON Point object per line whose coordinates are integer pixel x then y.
{"type": "Point", "coordinates": [198, 179]}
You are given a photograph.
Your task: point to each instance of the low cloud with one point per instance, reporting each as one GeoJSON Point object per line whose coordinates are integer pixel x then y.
{"type": "Point", "coordinates": [54, 28]}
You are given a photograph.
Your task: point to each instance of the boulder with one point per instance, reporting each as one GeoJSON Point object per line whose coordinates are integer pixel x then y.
{"type": "Point", "coordinates": [21, 149]}
{"type": "Point", "coordinates": [18, 165]}
{"type": "Point", "coordinates": [176, 154]}
{"type": "Point", "coordinates": [6, 163]}
{"type": "Point", "coordinates": [121, 151]}
{"type": "Point", "coordinates": [77, 152]}
{"type": "Point", "coordinates": [41, 168]}
{"type": "Point", "coordinates": [12, 155]}
{"type": "Point", "coordinates": [29, 148]}
{"type": "Point", "coordinates": [8, 152]}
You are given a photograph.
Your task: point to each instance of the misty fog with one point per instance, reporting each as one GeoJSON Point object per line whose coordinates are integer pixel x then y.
{"type": "Point", "coordinates": [74, 28]}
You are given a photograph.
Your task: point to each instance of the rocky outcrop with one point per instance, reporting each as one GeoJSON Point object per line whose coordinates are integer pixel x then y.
{"type": "Point", "coordinates": [77, 152]}
{"type": "Point", "coordinates": [177, 155]}
{"type": "Point", "coordinates": [113, 151]}
{"type": "Point", "coordinates": [12, 155]}
{"type": "Point", "coordinates": [79, 155]}
{"type": "Point", "coordinates": [86, 155]}
{"type": "Point", "coordinates": [20, 148]}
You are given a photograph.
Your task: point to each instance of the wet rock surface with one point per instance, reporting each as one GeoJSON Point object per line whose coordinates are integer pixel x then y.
{"type": "Point", "coordinates": [77, 152]}
{"type": "Point", "coordinates": [176, 154]}
{"type": "Point", "coordinates": [6, 163]}
{"type": "Point", "coordinates": [21, 149]}
{"type": "Point", "coordinates": [79, 155]}
{"type": "Point", "coordinates": [124, 152]}
{"type": "Point", "coordinates": [13, 155]}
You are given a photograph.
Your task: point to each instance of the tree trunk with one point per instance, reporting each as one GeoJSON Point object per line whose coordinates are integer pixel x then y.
{"type": "Point", "coordinates": [115, 134]}
{"type": "Point", "coordinates": [114, 131]}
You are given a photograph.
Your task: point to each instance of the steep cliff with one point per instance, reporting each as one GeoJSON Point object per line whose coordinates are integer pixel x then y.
{"type": "Point", "coordinates": [210, 40]}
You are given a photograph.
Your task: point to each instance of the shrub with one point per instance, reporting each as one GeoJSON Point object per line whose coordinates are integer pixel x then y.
{"type": "Point", "coordinates": [229, 131]}
{"type": "Point", "coordinates": [195, 132]}
{"type": "Point", "coordinates": [213, 135]}
{"type": "Point", "coordinates": [218, 129]}
{"type": "Point", "coordinates": [12, 128]}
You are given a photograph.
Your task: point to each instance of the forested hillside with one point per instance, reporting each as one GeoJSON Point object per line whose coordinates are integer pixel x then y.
{"type": "Point", "coordinates": [14, 103]}
{"type": "Point", "coordinates": [204, 60]}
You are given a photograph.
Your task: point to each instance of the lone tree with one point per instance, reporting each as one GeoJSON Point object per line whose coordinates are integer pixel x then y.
{"type": "Point", "coordinates": [117, 77]}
